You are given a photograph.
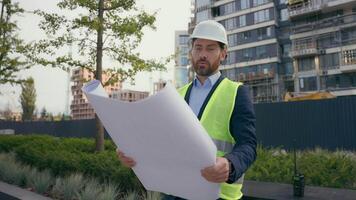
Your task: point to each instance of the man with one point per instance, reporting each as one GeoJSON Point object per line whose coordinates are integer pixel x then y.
{"type": "Point", "coordinates": [223, 107]}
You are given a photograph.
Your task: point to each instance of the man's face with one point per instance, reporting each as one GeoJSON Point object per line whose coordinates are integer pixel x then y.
{"type": "Point", "coordinates": [206, 56]}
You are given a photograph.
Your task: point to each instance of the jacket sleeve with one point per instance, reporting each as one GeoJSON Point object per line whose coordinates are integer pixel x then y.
{"type": "Point", "coordinates": [242, 128]}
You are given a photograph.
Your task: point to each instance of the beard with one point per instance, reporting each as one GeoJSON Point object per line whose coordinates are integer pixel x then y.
{"type": "Point", "coordinates": [205, 68]}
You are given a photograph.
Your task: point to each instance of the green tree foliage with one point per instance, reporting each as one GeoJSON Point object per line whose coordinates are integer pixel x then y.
{"type": "Point", "coordinates": [28, 99]}
{"type": "Point", "coordinates": [112, 29]}
{"type": "Point", "coordinates": [13, 50]}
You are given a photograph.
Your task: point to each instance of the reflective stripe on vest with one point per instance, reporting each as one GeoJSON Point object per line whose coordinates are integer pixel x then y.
{"type": "Point", "coordinates": [216, 121]}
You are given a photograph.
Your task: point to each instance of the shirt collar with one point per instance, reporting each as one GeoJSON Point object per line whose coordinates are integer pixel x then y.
{"type": "Point", "coordinates": [208, 82]}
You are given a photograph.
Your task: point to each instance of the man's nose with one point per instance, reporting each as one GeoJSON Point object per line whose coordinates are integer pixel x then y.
{"type": "Point", "coordinates": [203, 55]}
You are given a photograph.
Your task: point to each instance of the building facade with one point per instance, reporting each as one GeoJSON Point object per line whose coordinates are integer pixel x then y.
{"type": "Point", "coordinates": [80, 108]}
{"type": "Point", "coordinates": [255, 54]}
{"type": "Point", "coordinates": [279, 46]}
{"type": "Point", "coordinates": [181, 69]}
{"type": "Point", "coordinates": [129, 95]}
{"type": "Point", "coordinates": [324, 45]}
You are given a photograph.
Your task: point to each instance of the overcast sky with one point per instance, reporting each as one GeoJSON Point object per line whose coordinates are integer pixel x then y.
{"type": "Point", "coordinates": [52, 84]}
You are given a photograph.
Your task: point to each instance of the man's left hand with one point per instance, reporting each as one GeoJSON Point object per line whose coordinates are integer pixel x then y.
{"type": "Point", "coordinates": [217, 173]}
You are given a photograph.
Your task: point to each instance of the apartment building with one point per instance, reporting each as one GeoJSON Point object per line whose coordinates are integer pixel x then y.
{"type": "Point", "coordinates": [80, 108]}
{"type": "Point", "coordinates": [324, 45]}
{"type": "Point", "coordinates": [181, 69]}
{"type": "Point", "coordinates": [257, 33]}
{"type": "Point", "coordinates": [129, 95]}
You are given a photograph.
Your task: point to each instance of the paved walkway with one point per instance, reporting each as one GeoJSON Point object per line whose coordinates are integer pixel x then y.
{"type": "Point", "coordinates": [16, 193]}
{"type": "Point", "coordinates": [267, 190]}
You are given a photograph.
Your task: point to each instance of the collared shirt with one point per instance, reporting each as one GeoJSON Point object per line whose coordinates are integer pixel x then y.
{"type": "Point", "coordinates": [199, 92]}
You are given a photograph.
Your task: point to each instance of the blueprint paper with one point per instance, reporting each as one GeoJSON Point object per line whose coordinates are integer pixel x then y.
{"type": "Point", "coordinates": [163, 136]}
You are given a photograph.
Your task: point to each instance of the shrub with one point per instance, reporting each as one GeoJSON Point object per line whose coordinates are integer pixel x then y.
{"type": "Point", "coordinates": [110, 192]}
{"type": "Point", "coordinates": [91, 191]}
{"type": "Point", "coordinates": [68, 187]}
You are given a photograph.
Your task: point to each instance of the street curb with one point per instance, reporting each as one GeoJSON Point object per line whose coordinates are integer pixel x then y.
{"type": "Point", "coordinates": [20, 193]}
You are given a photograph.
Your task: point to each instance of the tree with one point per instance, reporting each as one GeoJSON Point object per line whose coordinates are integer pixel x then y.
{"type": "Point", "coordinates": [28, 99]}
{"type": "Point", "coordinates": [43, 113]}
{"type": "Point", "coordinates": [98, 28]}
{"type": "Point", "coordinates": [13, 50]}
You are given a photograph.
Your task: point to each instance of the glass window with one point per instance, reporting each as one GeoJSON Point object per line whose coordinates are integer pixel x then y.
{"type": "Point", "coordinates": [202, 15]}
{"type": "Point", "coordinates": [184, 61]}
{"type": "Point", "coordinates": [283, 1]}
{"type": "Point", "coordinates": [242, 20]}
{"type": "Point", "coordinates": [183, 39]}
{"type": "Point", "coordinates": [184, 50]}
{"type": "Point", "coordinates": [230, 23]}
{"type": "Point", "coordinates": [231, 57]}
{"type": "Point", "coordinates": [289, 68]}
{"type": "Point", "coordinates": [261, 16]}
{"type": "Point", "coordinates": [286, 50]}
{"type": "Point", "coordinates": [263, 33]}
{"type": "Point", "coordinates": [329, 61]}
{"type": "Point", "coordinates": [245, 4]}
{"type": "Point", "coordinates": [307, 84]}
{"type": "Point", "coordinates": [261, 52]}
{"type": "Point", "coordinates": [284, 14]}
{"type": "Point", "coordinates": [306, 64]}
{"type": "Point", "coordinates": [259, 2]}
{"type": "Point", "coordinates": [232, 40]}
{"type": "Point", "coordinates": [200, 3]}
{"type": "Point", "coordinates": [246, 35]}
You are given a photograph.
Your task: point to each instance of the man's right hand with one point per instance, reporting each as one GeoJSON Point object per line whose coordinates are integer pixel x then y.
{"type": "Point", "coordinates": [126, 161]}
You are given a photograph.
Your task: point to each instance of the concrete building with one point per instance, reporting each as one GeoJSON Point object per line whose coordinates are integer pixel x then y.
{"type": "Point", "coordinates": [253, 28]}
{"type": "Point", "coordinates": [159, 85]}
{"type": "Point", "coordinates": [324, 45]}
{"type": "Point", "coordinates": [181, 69]}
{"type": "Point", "coordinates": [129, 95]}
{"type": "Point", "coordinates": [80, 108]}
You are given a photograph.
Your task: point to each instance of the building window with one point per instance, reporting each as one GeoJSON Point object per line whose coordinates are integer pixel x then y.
{"type": "Point", "coordinates": [242, 20]}
{"type": "Point", "coordinates": [184, 50]}
{"type": "Point", "coordinates": [183, 39]}
{"type": "Point", "coordinates": [284, 14]}
{"type": "Point", "coordinates": [200, 3]}
{"type": "Point", "coordinates": [231, 57]}
{"type": "Point", "coordinates": [263, 33]}
{"type": "Point", "coordinates": [261, 52]}
{"type": "Point", "coordinates": [245, 4]}
{"type": "Point", "coordinates": [329, 61]}
{"type": "Point", "coordinates": [232, 40]}
{"type": "Point", "coordinates": [286, 49]}
{"type": "Point", "coordinates": [261, 16]}
{"type": "Point", "coordinates": [202, 15]}
{"type": "Point", "coordinates": [283, 1]}
{"type": "Point", "coordinates": [289, 68]}
{"type": "Point", "coordinates": [306, 64]}
{"type": "Point", "coordinates": [184, 61]}
{"type": "Point", "coordinates": [246, 35]}
{"type": "Point", "coordinates": [259, 2]}
{"type": "Point", "coordinates": [230, 23]}
{"type": "Point", "coordinates": [307, 84]}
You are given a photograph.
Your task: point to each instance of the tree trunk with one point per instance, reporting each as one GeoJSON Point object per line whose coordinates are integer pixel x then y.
{"type": "Point", "coordinates": [99, 145]}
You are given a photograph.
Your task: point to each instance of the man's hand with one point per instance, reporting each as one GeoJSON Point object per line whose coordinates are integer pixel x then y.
{"type": "Point", "coordinates": [217, 173]}
{"type": "Point", "coordinates": [126, 161]}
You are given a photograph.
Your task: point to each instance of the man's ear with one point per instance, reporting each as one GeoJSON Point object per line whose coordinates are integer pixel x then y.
{"type": "Point", "coordinates": [223, 55]}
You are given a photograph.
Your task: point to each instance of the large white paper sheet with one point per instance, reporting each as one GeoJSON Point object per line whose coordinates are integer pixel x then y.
{"type": "Point", "coordinates": [165, 138]}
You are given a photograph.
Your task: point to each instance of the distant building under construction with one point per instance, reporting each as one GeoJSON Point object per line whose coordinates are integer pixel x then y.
{"type": "Point", "coordinates": [129, 95]}
{"type": "Point", "coordinates": [323, 49]}
{"type": "Point", "coordinates": [80, 108]}
{"type": "Point", "coordinates": [279, 46]}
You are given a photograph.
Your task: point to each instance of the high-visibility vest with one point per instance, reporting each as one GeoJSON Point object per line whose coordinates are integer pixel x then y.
{"type": "Point", "coordinates": [216, 121]}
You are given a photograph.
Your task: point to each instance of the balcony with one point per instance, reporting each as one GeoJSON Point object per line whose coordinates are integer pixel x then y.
{"type": "Point", "coordinates": [297, 8]}
{"type": "Point", "coordinates": [325, 23]}
{"type": "Point", "coordinates": [348, 62]}
{"type": "Point", "coordinates": [305, 47]}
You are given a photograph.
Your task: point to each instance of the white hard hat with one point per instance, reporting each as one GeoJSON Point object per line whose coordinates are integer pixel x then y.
{"type": "Point", "coordinates": [210, 30]}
